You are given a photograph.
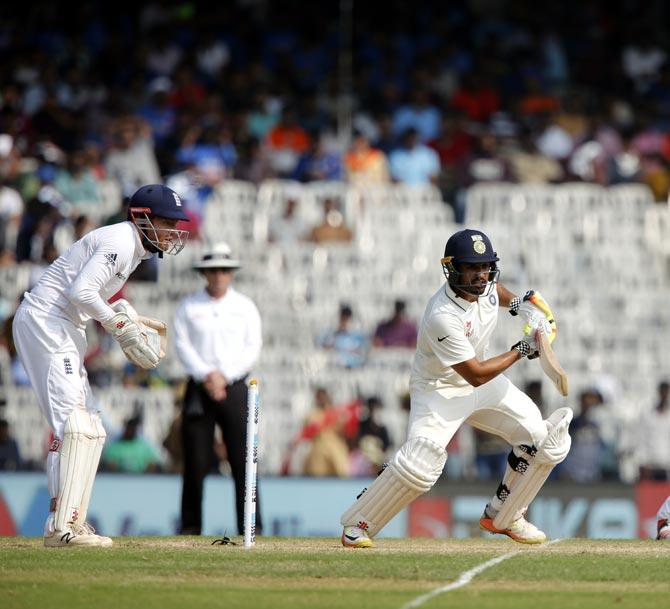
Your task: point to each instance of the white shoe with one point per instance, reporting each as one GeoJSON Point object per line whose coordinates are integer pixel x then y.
{"type": "Point", "coordinates": [520, 530]}
{"type": "Point", "coordinates": [664, 533]}
{"type": "Point", "coordinates": [355, 537]}
{"type": "Point", "coordinates": [86, 529]}
{"type": "Point", "coordinates": [70, 538]}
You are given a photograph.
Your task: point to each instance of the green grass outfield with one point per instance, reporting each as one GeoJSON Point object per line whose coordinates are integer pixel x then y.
{"type": "Point", "coordinates": [188, 572]}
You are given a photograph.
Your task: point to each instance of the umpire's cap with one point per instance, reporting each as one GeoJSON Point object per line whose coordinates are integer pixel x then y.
{"type": "Point", "coordinates": [219, 256]}
{"type": "Point", "coordinates": [159, 200]}
{"type": "Point", "coordinates": [470, 246]}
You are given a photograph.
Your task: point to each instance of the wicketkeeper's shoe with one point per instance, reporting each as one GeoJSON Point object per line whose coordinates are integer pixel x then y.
{"type": "Point", "coordinates": [355, 537]}
{"type": "Point", "coordinates": [520, 530]}
{"type": "Point", "coordinates": [87, 529]}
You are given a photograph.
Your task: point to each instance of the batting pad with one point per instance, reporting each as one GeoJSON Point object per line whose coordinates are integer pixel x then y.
{"type": "Point", "coordinates": [553, 450]}
{"type": "Point", "coordinates": [80, 445]}
{"type": "Point", "coordinates": [413, 471]}
{"type": "Point", "coordinates": [92, 465]}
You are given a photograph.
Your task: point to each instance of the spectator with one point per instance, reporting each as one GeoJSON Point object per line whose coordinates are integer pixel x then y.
{"type": "Point", "coordinates": [318, 163]}
{"type": "Point", "coordinates": [132, 161]}
{"type": "Point", "coordinates": [533, 389]}
{"type": "Point", "coordinates": [476, 98]}
{"type": "Point", "coordinates": [365, 166]}
{"type": "Point", "coordinates": [584, 463]}
{"type": "Point", "coordinates": [328, 453]}
{"type": "Point", "coordinates": [131, 453]}
{"type": "Point", "coordinates": [453, 146]}
{"type": "Point", "coordinates": [414, 163]}
{"type": "Point", "coordinates": [11, 208]}
{"type": "Point", "coordinates": [397, 331]}
{"type": "Point", "coordinates": [529, 165]}
{"type": "Point", "coordinates": [158, 113]}
{"type": "Point", "coordinates": [484, 164]}
{"type": "Point", "coordinates": [10, 457]}
{"type": "Point", "coordinates": [373, 440]}
{"type": "Point", "coordinates": [76, 183]}
{"type": "Point", "coordinates": [490, 455]}
{"type": "Point", "coordinates": [287, 227]}
{"type": "Point", "coordinates": [654, 431]}
{"type": "Point", "coordinates": [350, 345]}
{"type": "Point", "coordinates": [210, 150]}
{"type": "Point", "coordinates": [333, 227]}
{"type": "Point", "coordinates": [285, 142]}
{"type": "Point", "coordinates": [419, 114]}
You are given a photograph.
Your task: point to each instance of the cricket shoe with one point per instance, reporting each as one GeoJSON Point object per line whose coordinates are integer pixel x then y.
{"type": "Point", "coordinates": [71, 538]}
{"type": "Point", "coordinates": [663, 532]}
{"type": "Point", "coordinates": [520, 530]}
{"type": "Point", "coordinates": [86, 529]}
{"type": "Point", "coordinates": [355, 537]}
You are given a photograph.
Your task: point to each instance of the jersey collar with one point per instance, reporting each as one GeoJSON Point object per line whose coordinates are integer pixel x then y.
{"type": "Point", "coordinates": [461, 303]}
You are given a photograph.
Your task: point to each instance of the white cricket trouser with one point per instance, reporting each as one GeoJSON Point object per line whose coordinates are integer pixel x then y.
{"type": "Point", "coordinates": [52, 352]}
{"type": "Point", "coordinates": [497, 407]}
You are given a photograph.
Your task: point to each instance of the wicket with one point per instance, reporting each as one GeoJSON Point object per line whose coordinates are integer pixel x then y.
{"type": "Point", "coordinates": [253, 412]}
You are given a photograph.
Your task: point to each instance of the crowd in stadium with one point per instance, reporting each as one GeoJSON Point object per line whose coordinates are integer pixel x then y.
{"type": "Point", "coordinates": [195, 95]}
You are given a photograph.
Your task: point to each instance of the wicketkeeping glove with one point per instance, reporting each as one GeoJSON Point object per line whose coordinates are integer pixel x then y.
{"type": "Point", "coordinates": [132, 336]}
{"type": "Point", "coordinates": [529, 308]}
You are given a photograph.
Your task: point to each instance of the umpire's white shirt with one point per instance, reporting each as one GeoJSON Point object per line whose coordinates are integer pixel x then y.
{"type": "Point", "coordinates": [218, 334]}
{"type": "Point", "coordinates": [452, 330]}
{"type": "Point", "coordinates": [77, 285]}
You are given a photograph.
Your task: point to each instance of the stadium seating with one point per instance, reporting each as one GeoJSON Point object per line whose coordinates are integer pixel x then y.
{"type": "Point", "coordinates": [599, 255]}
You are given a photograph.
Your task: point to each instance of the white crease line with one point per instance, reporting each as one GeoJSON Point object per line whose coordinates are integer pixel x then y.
{"type": "Point", "coordinates": [465, 578]}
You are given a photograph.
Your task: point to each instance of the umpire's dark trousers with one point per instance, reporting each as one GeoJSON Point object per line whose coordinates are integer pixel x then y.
{"type": "Point", "coordinates": [201, 413]}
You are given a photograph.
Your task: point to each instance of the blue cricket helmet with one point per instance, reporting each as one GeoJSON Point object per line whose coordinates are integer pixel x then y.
{"type": "Point", "coordinates": [471, 246]}
{"type": "Point", "coordinates": [160, 201]}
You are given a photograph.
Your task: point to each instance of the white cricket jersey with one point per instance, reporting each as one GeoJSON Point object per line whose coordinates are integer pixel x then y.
{"type": "Point", "coordinates": [452, 330]}
{"type": "Point", "coordinates": [218, 334]}
{"type": "Point", "coordinates": [78, 283]}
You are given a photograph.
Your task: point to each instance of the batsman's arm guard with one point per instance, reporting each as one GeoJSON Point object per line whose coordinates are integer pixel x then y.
{"type": "Point", "coordinates": [553, 450]}
{"type": "Point", "coordinates": [412, 472]}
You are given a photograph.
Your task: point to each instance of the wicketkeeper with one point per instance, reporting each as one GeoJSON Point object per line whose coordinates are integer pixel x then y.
{"type": "Point", "coordinates": [455, 381]}
{"type": "Point", "coordinates": [51, 342]}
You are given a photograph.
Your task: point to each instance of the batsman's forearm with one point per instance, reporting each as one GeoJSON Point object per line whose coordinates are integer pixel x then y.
{"type": "Point", "coordinates": [490, 368]}
{"type": "Point", "coordinates": [504, 295]}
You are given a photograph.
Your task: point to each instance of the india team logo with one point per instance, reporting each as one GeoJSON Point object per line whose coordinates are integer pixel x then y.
{"type": "Point", "coordinates": [478, 244]}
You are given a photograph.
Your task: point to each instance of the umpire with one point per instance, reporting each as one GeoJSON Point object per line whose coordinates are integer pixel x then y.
{"type": "Point", "coordinates": [218, 341]}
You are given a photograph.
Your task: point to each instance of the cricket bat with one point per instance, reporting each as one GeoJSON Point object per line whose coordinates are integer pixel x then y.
{"type": "Point", "coordinates": [550, 364]}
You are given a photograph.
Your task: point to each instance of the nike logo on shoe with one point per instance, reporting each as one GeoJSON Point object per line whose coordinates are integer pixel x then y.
{"type": "Point", "coordinates": [351, 537]}
{"type": "Point", "coordinates": [439, 340]}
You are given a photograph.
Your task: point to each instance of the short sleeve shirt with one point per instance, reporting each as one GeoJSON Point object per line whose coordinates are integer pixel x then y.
{"type": "Point", "coordinates": [452, 330]}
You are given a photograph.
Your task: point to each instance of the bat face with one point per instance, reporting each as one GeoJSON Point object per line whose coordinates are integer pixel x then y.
{"type": "Point", "coordinates": [550, 364]}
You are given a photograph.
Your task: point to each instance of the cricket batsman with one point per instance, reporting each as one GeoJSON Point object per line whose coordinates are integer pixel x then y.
{"type": "Point", "coordinates": [50, 339]}
{"type": "Point", "coordinates": [454, 381]}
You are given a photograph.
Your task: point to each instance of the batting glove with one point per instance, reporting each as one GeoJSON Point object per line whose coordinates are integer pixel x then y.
{"type": "Point", "coordinates": [528, 307]}
{"type": "Point", "coordinates": [522, 347]}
